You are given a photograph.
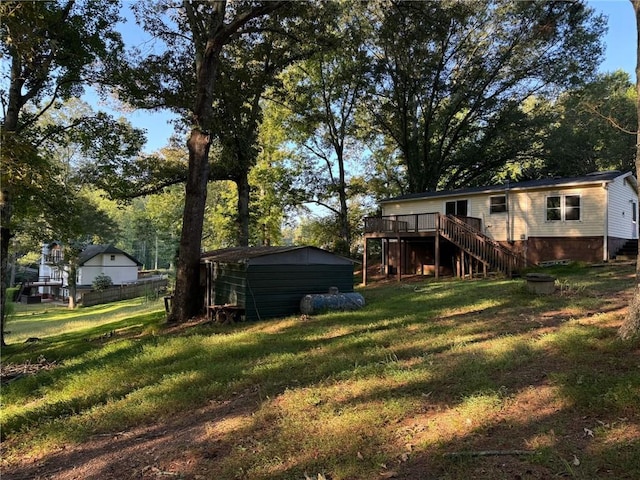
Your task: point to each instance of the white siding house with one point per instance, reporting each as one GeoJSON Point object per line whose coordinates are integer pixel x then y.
{"type": "Point", "coordinates": [94, 260]}
{"type": "Point", "coordinates": [586, 218]}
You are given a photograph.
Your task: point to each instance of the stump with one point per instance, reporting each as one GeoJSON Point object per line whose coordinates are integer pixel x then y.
{"type": "Point", "coordinates": [540, 283]}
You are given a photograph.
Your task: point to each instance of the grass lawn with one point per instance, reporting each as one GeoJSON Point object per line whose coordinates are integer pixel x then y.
{"type": "Point", "coordinates": [431, 380]}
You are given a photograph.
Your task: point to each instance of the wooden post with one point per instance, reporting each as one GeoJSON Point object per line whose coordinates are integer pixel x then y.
{"type": "Point", "coordinates": [463, 261]}
{"type": "Point", "coordinates": [364, 262]}
{"type": "Point", "coordinates": [399, 267]}
{"type": "Point", "coordinates": [437, 253]}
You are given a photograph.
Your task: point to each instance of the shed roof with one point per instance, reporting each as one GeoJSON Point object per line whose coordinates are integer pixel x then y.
{"type": "Point", "coordinates": [92, 251]}
{"type": "Point", "coordinates": [288, 254]}
{"type": "Point", "coordinates": [592, 178]}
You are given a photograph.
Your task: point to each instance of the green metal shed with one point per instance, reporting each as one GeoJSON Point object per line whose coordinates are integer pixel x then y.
{"type": "Point", "coordinates": [269, 282]}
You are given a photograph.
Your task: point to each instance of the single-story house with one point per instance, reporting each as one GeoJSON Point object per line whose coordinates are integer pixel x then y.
{"type": "Point", "coordinates": [266, 282]}
{"type": "Point", "coordinates": [588, 218]}
{"type": "Point", "coordinates": [93, 261]}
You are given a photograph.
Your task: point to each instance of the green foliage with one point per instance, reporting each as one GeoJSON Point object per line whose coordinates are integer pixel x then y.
{"type": "Point", "coordinates": [102, 282]}
{"type": "Point", "coordinates": [592, 128]}
{"type": "Point", "coordinates": [449, 78]}
{"type": "Point", "coordinates": [55, 49]}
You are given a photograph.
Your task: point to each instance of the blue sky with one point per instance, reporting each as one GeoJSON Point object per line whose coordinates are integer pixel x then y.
{"type": "Point", "coordinates": [621, 38]}
{"type": "Point", "coordinates": [620, 42]}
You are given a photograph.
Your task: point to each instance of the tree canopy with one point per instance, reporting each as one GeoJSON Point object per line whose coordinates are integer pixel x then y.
{"type": "Point", "coordinates": [450, 78]}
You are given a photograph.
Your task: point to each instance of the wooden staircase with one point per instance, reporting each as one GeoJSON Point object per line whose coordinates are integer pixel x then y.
{"type": "Point", "coordinates": [492, 254]}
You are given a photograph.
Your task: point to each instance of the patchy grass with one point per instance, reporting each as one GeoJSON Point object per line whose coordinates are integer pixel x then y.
{"type": "Point", "coordinates": [477, 369]}
{"type": "Point", "coordinates": [51, 319]}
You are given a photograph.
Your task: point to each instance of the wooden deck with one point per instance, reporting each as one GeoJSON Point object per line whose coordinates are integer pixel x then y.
{"type": "Point", "coordinates": [410, 225]}
{"type": "Point", "coordinates": [464, 232]}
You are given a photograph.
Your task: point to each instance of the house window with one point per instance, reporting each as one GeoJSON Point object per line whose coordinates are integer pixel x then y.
{"type": "Point", "coordinates": [634, 211]}
{"type": "Point", "coordinates": [498, 204]}
{"type": "Point", "coordinates": [563, 208]}
{"type": "Point", "coordinates": [113, 257]}
{"type": "Point", "coordinates": [456, 207]}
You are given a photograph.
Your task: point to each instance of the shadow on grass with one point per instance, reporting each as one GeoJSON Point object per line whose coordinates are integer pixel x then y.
{"type": "Point", "coordinates": [443, 367]}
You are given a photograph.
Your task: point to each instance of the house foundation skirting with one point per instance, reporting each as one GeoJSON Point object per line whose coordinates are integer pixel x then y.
{"type": "Point", "coordinates": [544, 249]}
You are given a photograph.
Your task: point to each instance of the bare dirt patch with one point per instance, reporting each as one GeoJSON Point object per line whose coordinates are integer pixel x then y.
{"type": "Point", "coordinates": [182, 448]}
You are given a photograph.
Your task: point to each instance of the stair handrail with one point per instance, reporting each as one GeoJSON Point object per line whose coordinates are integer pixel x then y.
{"type": "Point", "coordinates": [475, 243]}
{"type": "Point", "coordinates": [475, 231]}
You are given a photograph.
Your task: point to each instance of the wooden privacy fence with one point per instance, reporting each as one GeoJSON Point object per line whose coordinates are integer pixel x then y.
{"type": "Point", "coordinates": [124, 292]}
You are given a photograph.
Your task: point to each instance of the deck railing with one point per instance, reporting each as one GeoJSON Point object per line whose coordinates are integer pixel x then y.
{"type": "Point", "coordinates": [465, 232]}
{"type": "Point", "coordinates": [412, 223]}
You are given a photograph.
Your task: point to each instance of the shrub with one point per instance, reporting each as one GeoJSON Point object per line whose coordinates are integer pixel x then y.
{"type": "Point", "coordinates": [12, 293]}
{"type": "Point", "coordinates": [102, 282]}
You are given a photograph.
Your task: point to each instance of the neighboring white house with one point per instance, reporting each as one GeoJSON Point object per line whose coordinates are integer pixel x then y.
{"type": "Point", "coordinates": [586, 218]}
{"type": "Point", "coordinates": [94, 260]}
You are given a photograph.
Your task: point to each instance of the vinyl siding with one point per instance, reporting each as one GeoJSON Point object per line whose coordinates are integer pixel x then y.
{"type": "Point", "coordinates": [413, 206]}
{"type": "Point", "coordinates": [121, 270]}
{"type": "Point", "coordinates": [620, 214]}
{"type": "Point", "coordinates": [527, 213]}
{"type": "Point", "coordinates": [592, 212]}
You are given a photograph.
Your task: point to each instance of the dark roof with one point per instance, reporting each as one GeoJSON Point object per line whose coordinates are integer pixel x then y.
{"type": "Point", "coordinates": [244, 254]}
{"type": "Point", "coordinates": [94, 250]}
{"type": "Point", "coordinates": [596, 177]}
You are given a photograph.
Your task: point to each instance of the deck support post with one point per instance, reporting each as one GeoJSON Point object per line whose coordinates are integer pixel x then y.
{"type": "Point", "coordinates": [364, 262]}
{"type": "Point", "coordinates": [399, 268]}
{"type": "Point", "coordinates": [463, 264]}
{"type": "Point", "coordinates": [437, 252]}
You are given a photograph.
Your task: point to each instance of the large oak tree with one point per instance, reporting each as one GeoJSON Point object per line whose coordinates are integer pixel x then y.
{"type": "Point", "coordinates": [183, 78]}
{"type": "Point", "coordinates": [451, 78]}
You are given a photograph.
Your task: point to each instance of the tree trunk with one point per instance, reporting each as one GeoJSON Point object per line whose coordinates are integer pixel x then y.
{"type": "Point", "coordinates": [631, 326]}
{"type": "Point", "coordinates": [9, 128]}
{"type": "Point", "coordinates": [243, 209]}
{"type": "Point", "coordinates": [208, 43]}
{"type": "Point", "coordinates": [186, 302]}
{"type": "Point", "coordinates": [5, 237]}
{"type": "Point", "coordinates": [345, 228]}
{"type": "Point", "coordinates": [73, 287]}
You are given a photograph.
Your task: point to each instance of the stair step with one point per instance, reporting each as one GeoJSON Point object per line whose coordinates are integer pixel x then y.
{"type": "Point", "coordinates": [628, 251]}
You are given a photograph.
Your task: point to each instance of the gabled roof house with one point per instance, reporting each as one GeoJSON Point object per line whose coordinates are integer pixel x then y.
{"type": "Point", "coordinates": [93, 261]}
{"type": "Point", "coordinates": [502, 227]}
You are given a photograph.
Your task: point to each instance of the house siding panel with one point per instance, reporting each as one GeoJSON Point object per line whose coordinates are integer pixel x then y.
{"type": "Point", "coordinates": [591, 223]}
{"type": "Point", "coordinates": [121, 270]}
{"type": "Point", "coordinates": [411, 207]}
{"type": "Point", "coordinates": [620, 214]}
